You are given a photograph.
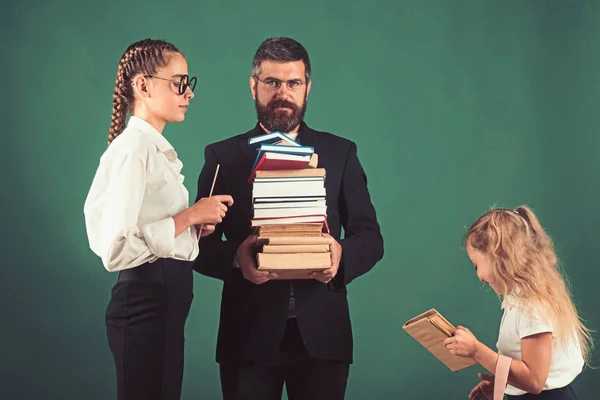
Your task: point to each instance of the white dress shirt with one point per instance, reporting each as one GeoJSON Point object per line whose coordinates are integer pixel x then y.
{"type": "Point", "coordinates": [567, 361]}
{"type": "Point", "coordinates": [136, 191]}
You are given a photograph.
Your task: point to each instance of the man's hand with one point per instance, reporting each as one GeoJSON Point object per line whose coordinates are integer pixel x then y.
{"type": "Point", "coordinates": [336, 256]}
{"type": "Point", "coordinates": [246, 258]}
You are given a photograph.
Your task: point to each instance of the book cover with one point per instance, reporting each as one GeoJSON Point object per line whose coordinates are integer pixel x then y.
{"type": "Point", "coordinates": [302, 199]}
{"type": "Point", "coordinates": [275, 138]}
{"type": "Point", "coordinates": [256, 222]}
{"type": "Point", "coordinates": [291, 150]}
{"type": "Point", "coordinates": [275, 240]}
{"type": "Point", "coordinates": [277, 161]}
{"type": "Point", "coordinates": [291, 204]}
{"type": "Point", "coordinates": [295, 248]}
{"type": "Point", "coordinates": [288, 212]}
{"type": "Point", "coordinates": [430, 329]}
{"type": "Point", "coordinates": [291, 173]}
{"type": "Point", "coordinates": [314, 230]}
{"type": "Point", "coordinates": [293, 266]}
{"type": "Point", "coordinates": [288, 189]}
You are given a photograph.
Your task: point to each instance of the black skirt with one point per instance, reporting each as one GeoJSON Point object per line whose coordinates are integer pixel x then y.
{"type": "Point", "coordinates": [145, 322]}
{"type": "Point", "coordinates": [564, 393]}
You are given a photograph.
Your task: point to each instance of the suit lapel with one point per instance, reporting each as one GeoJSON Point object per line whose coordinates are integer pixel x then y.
{"type": "Point", "coordinates": [308, 137]}
{"type": "Point", "coordinates": [249, 152]}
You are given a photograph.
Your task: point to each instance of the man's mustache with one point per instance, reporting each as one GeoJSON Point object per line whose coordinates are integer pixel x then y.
{"type": "Point", "coordinates": [277, 103]}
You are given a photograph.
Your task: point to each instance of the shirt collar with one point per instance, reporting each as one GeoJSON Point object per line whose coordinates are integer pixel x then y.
{"type": "Point", "coordinates": [162, 144]}
{"type": "Point", "coordinates": [509, 301]}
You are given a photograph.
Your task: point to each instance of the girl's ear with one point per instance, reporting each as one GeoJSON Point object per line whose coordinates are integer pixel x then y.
{"type": "Point", "coordinates": [141, 86]}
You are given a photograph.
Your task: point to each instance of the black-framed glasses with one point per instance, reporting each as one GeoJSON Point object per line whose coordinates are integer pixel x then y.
{"type": "Point", "coordinates": [275, 84]}
{"type": "Point", "coordinates": [182, 84]}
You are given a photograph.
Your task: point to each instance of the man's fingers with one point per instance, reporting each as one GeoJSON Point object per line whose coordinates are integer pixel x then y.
{"type": "Point", "coordinates": [267, 277]}
{"type": "Point", "coordinates": [320, 277]}
{"type": "Point", "coordinates": [259, 279]}
{"type": "Point", "coordinates": [259, 273]}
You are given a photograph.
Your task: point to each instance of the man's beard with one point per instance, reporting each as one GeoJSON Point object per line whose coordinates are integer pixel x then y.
{"type": "Point", "coordinates": [281, 120]}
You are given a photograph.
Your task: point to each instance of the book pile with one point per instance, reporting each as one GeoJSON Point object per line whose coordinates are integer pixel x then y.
{"type": "Point", "coordinates": [289, 206]}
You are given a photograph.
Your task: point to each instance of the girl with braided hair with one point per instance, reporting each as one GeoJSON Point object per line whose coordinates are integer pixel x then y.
{"type": "Point", "coordinates": [139, 222]}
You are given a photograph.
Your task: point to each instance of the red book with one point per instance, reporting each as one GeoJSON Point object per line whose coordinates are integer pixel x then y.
{"type": "Point", "coordinates": [277, 161]}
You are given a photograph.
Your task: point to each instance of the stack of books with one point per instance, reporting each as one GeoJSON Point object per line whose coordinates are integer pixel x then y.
{"type": "Point", "coordinates": [289, 206]}
{"type": "Point", "coordinates": [293, 251]}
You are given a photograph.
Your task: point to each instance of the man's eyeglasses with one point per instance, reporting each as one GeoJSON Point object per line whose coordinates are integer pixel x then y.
{"type": "Point", "coordinates": [182, 84]}
{"type": "Point", "coordinates": [275, 84]}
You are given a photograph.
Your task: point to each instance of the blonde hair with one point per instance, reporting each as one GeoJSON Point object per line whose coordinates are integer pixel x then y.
{"type": "Point", "coordinates": [525, 266]}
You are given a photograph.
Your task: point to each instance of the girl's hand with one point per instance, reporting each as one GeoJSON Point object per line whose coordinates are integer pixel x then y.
{"type": "Point", "coordinates": [463, 343]}
{"type": "Point", "coordinates": [484, 389]}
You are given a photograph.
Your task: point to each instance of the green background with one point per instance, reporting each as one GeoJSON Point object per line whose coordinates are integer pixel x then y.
{"type": "Point", "coordinates": [455, 106]}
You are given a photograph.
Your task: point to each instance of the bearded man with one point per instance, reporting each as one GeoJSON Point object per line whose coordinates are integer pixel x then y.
{"type": "Point", "coordinates": [272, 331]}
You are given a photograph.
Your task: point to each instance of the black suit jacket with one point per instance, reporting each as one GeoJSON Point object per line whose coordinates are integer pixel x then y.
{"type": "Point", "coordinates": [253, 317]}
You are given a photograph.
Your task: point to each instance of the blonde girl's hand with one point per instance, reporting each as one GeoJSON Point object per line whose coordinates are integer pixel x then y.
{"type": "Point", "coordinates": [463, 343]}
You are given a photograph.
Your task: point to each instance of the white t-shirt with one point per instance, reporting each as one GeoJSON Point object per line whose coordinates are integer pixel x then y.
{"type": "Point", "coordinates": [567, 361]}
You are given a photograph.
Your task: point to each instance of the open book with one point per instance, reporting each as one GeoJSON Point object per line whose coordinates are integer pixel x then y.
{"type": "Point", "coordinates": [431, 329]}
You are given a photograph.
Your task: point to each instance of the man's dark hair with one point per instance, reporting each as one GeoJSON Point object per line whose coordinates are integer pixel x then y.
{"type": "Point", "coordinates": [281, 49]}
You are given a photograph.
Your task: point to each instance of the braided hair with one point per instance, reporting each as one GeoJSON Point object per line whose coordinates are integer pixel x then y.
{"type": "Point", "coordinates": [143, 57]}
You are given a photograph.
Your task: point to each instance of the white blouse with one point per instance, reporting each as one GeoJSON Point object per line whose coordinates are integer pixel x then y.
{"type": "Point", "coordinates": [567, 361]}
{"type": "Point", "coordinates": [136, 191]}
